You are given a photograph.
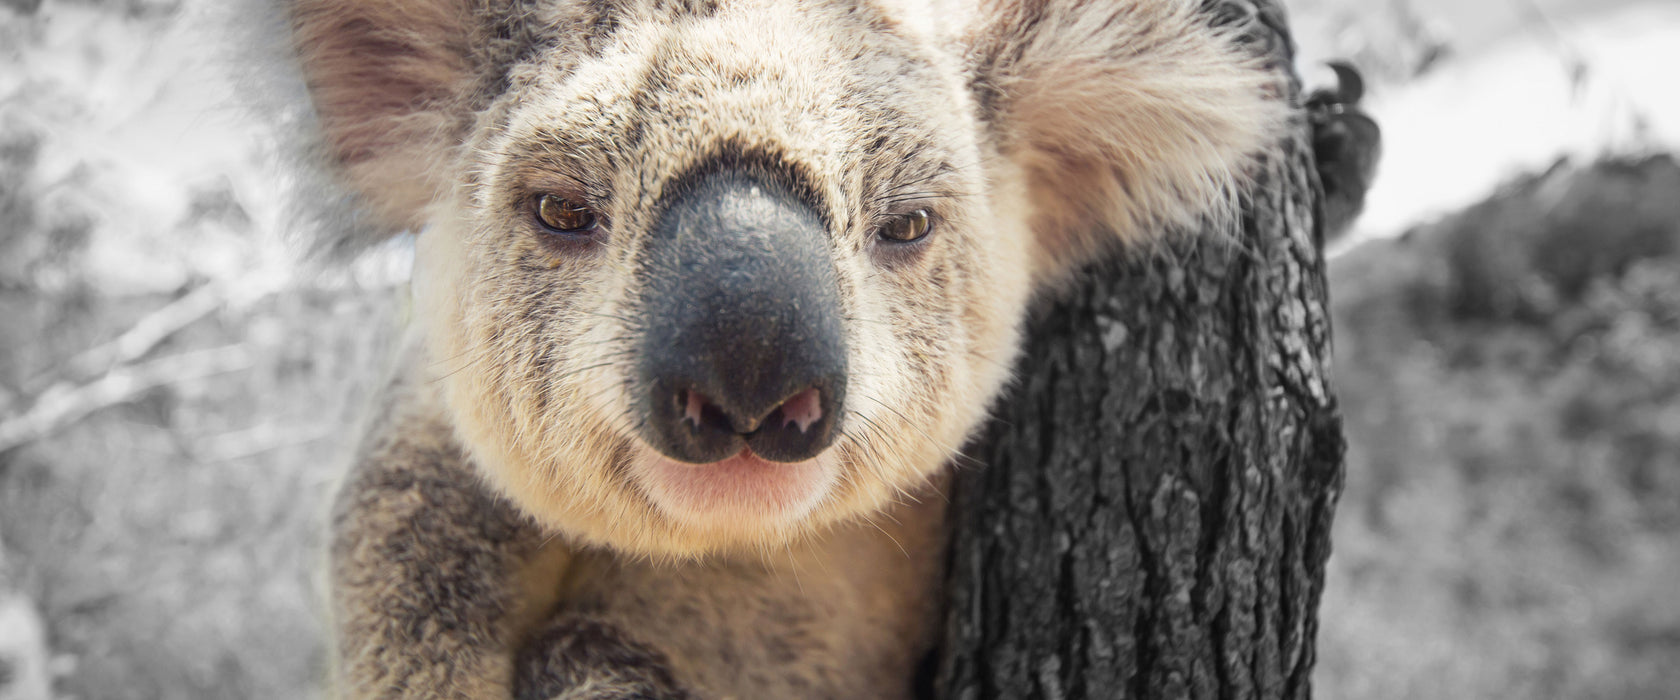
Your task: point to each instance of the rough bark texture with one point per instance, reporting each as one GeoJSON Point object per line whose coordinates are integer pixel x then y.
{"type": "Point", "coordinates": [1151, 514]}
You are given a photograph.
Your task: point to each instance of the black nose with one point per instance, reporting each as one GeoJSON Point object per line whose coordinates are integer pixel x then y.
{"type": "Point", "coordinates": [742, 343]}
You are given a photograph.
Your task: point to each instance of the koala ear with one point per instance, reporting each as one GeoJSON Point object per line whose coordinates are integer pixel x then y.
{"type": "Point", "coordinates": [1126, 116]}
{"type": "Point", "coordinates": [389, 79]}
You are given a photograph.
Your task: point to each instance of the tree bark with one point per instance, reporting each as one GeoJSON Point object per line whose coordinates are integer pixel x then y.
{"type": "Point", "coordinates": [1150, 515]}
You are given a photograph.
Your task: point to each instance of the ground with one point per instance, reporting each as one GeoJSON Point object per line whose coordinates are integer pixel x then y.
{"type": "Point", "coordinates": [177, 395]}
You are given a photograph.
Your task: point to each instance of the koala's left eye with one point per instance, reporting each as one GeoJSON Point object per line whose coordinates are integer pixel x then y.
{"type": "Point", "coordinates": [907, 228]}
{"type": "Point", "coordinates": [563, 215]}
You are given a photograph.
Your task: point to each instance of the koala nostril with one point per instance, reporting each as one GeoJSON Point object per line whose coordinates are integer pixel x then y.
{"type": "Point", "coordinates": [700, 413]}
{"type": "Point", "coordinates": [704, 427]}
{"type": "Point", "coordinates": [803, 410]}
{"type": "Point", "coordinates": [693, 403]}
{"type": "Point", "coordinates": [801, 426]}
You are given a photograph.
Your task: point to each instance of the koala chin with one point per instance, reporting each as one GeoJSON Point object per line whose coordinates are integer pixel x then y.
{"type": "Point", "coordinates": [708, 294]}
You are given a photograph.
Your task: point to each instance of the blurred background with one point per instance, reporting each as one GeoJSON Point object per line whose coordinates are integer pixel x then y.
{"type": "Point", "coordinates": [177, 394]}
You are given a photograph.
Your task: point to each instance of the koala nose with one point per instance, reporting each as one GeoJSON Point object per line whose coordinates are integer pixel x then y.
{"type": "Point", "coordinates": [742, 345]}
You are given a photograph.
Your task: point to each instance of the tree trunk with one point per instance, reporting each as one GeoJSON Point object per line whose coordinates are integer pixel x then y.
{"type": "Point", "coordinates": [1150, 516]}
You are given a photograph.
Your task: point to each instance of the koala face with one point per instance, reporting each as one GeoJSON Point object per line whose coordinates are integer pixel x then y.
{"type": "Point", "coordinates": [715, 276]}
{"type": "Point", "coordinates": [777, 296]}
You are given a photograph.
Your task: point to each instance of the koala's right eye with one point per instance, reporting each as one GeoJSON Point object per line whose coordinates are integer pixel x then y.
{"type": "Point", "coordinates": [907, 228]}
{"type": "Point", "coordinates": [562, 215]}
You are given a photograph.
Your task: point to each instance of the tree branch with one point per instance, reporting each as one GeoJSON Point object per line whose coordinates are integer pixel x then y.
{"type": "Point", "coordinates": [62, 406]}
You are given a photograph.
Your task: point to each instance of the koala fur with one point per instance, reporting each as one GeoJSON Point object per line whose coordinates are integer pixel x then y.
{"type": "Point", "coordinates": [517, 525]}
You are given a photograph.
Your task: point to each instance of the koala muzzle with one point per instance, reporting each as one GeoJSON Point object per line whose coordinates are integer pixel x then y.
{"type": "Point", "coordinates": [742, 345]}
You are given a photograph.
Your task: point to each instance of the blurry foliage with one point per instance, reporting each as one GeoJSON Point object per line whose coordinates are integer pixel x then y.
{"type": "Point", "coordinates": [170, 539]}
{"type": "Point", "coordinates": [1391, 41]}
{"type": "Point", "coordinates": [130, 8]}
{"type": "Point", "coordinates": [34, 235]}
{"type": "Point", "coordinates": [1511, 381]}
{"type": "Point", "coordinates": [173, 540]}
{"type": "Point", "coordinates": [1396, 41]}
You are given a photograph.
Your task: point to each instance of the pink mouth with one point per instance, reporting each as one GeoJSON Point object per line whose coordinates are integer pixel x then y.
{"type": "Point", "coordinates": [741, 490]}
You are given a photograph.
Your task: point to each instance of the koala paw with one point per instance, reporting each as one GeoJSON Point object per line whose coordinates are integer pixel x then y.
{"type": "Point", "coordinates": [577, 658]}
{"type": "Point", "coordinates": [1347, 145]}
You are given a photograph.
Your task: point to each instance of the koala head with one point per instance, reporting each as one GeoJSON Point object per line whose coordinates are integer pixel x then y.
{"type": "Point", "coordinates": [712, 275]}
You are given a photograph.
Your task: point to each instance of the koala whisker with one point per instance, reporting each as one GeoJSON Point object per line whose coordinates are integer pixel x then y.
{"type": "Point", "coordinates": [867, 421]}
{"type": "Point", "coordinates": [457, 356]}
{"type": "Point", "coordinates": [898, 497]}
{"type": "Point", "coordinates": [871, 448]}
{"type": "Point", "coordinates": [580, 370]}
{"type": "Point", "coordinates": [860, 319]}
{"type": "Point", "coordinates": [930, 438]}
{"type": "Point", "coordinates": [605, 341]}
{"type": "Point", "coordinates": [857, 444]}
{"type": "Point", "coordinates": [872, 375]}
{"type": "Point", "coordinates": [629, 415]}
{"type": "Point", "coordinates": [793, 565]}
{"type": "Point", "coordinates": [910, 498]}
{"type": "Point", "coordinates": [981, 356]}
{"type": "Point", "coordinates": [877, 525]}
{"type": "Point", "coordinates": [463, 357]}
{"type": "Point", "coordinates": [628, 323]}
{"type": "Point", "coordinates": [464, 366]}
{"type": "Point", "coordinates": [963, 459]}
{"type": "Point", "coordinates": [603, 390]}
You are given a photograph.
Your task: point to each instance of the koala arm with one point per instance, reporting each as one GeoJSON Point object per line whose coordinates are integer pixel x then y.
{"type": "Point", "coordinates": [422, 568]}
{"type": "Point", "coordinates": [431, 584]}
{"type": "Point", "coordinates": [579, 658]}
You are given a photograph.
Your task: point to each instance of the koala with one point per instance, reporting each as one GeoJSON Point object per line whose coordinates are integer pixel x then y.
{"type": "Point", "coordinates": [707, 296]}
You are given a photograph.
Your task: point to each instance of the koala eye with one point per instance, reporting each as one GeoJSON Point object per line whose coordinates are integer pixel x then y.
{"type": "Point", "coordinates": [562, 215]}
{"type": "Point", "coordinates": [907, 228]}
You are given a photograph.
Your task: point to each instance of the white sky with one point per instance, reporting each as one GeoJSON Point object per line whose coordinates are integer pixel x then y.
{"type": "Point", "coordinates": [1452, 137]}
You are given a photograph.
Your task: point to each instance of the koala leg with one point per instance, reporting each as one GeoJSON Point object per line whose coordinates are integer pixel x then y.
{"type": "Point", "coordinates": [439, 585]}
{"type": "Point", "coordinates": [579, 658]}
{"type": "Point", "coordinates": [424, 564]}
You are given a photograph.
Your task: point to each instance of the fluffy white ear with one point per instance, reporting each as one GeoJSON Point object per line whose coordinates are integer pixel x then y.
{"type": "Point", "coordinates": [388, 79]}
{"type": "Point", "coordinates": [1126, 116]}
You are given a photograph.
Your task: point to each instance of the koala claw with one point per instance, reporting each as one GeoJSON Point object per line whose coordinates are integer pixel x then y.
{"type": "Point", "coordinates": [578, 658]}
{"type": "Point", "coordinates": [1347, 145]}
